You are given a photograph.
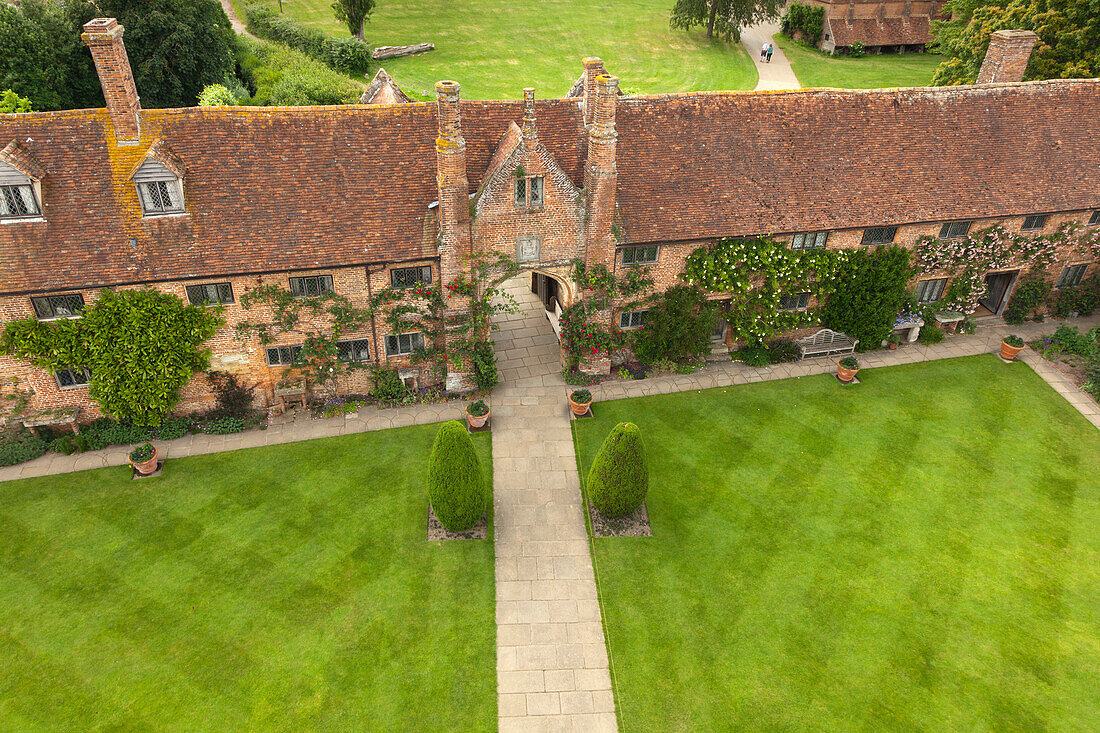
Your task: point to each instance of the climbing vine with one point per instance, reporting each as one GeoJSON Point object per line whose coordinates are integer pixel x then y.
{"type": "Point", "coordinates": [757, 273]}
{"type": "Point", "coordinates": [583, 330]}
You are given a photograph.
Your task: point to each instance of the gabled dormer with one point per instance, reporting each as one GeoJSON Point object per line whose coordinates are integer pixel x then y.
{"type": "Point", "coordinates": [159, 182]}
{"type": "Point", "coordinates": [20, 184]}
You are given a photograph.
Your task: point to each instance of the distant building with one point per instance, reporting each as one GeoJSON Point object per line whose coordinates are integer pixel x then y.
{"type": "Point", "coordinates": [895, 26]}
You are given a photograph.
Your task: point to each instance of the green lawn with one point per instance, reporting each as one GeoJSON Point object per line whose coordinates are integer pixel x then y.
{"type": "Point", "coordinates": [815, 69]}
{"type": "Point", "coordinates": [284, 588]}
{"type": "Point", "coordinates": [918, 552]}
{"type": "Point", "coordinates": [494, 48]}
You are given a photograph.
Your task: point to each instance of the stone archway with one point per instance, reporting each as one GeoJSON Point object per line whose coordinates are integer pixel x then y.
{"type": "Point", "coordinates": [526, 342]}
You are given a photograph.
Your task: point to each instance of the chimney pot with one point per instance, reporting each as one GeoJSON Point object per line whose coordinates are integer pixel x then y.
{"type": "Point", "coordinates": [103, 37]}
{"type": "Point", "coordinates": [593, 67]}
{"type": "Point", "coordinates": [1007, 56]}
{"type": "Point", "coordinates": [529, 130]}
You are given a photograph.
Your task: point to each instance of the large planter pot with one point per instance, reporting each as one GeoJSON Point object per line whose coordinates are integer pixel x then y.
{"type": "Point", "coordinates": [845, 374]}
{"type": "Point", "coordinates": [147, 467]}
{"type": "Point", "coordinates": [579, 408]}
{"type": "Point", "coordinates": [1009, 352]}
{"type": "Point", "coordinates": [477, 421]}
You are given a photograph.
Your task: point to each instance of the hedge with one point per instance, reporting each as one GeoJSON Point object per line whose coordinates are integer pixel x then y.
{"type": "Point", "coordinates": [456, 488]}
{"type": "Point", "coordinates": [287, 77]}
{"type": "Point", "coordinates": [345, 54]}
{"type": "Point", "coordinates": [619, 478]}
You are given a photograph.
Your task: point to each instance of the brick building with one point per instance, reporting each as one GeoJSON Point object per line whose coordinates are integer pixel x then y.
{"type": "Point", "coordinates": [893, 26]}
{"type": "Point", "coordinates": [208, 203]}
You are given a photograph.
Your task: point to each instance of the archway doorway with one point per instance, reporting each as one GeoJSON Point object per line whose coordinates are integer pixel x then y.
{"type": "Point", "coordinates": [547, 289]}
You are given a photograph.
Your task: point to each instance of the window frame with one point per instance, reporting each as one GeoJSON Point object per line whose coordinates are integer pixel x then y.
{"type": "Point", "coordinates": [421, 269]}
{"type": "Point", "coordinates": [1042, 218]}
{"type": "Point", "coordinates": [292, 349]}
{"type": "Point", "coordinates": [149, 208]}
{"type": "Point", "coordinates": [361, 346]}
{"type": "Point", "coordinates": [948, 229]}
{"type": "Point", "coordinates": [634, 249]}
{"type": "Point", "coordinates": [801, 303]}
{"type": "Point", "coordinates": [73, 371]}
{"type": "Point", "coordinates": [807, 236]}
{"type": "Point", "coordinates": [218, 300]}
{"type": "Point", "coordinates": [1094, 220]}
{"type": "Point", "coordinates": [1074, 272]}
{"type": "Point", "coordinates": [930, 283]}
{"type": "Point", "coordinates": [869, 240]}
{"type": "Point", "coordinates": [36, 299]}
{"type": "Point", "coordinates": [630, 316]}
{"type": "Point", "coordinates": [321, 287]}
{"type": "Point", "coordinates": [523, 193]}
{"type": "Point", "coordinates": [413, 340]}
{"type": "Point", "coordinates": [35, 213]}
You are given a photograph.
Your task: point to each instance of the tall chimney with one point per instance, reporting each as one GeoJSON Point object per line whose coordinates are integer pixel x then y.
{"type": "Point", "coordinates": [600, 177]}
{"type": "Point", "coordinates": [1007, 56]}
{"type": "Point", "coordinates": [104, 38]}
{"type": "Point", "coordinates": [530, 132]}
{"type": "Point", "coordinates": [454, 189]}
{"type": "Point", "coordinates": [593, 67]}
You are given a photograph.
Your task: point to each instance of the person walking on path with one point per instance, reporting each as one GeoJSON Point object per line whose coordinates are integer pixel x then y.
{"type": "Point", "coordinates": [764, 51]}
{"type": "Point", "coordinates": [771, 48]}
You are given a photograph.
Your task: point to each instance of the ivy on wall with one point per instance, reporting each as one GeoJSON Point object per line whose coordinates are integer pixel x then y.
{"type": "Point", "coordinates": [141, 346]}
{"type": "Point", "coordinates": [967, 259]}
{"type": "Point", "coordinates": [756, 273]}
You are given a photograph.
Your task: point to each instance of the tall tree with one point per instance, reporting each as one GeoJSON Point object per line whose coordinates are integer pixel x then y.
{"type": "Point", "coordinates": [353, 14]}
{"type": "Point", "coordinates": [1069, 37]}
{"type": "Point", "coordinates": [726, 17]}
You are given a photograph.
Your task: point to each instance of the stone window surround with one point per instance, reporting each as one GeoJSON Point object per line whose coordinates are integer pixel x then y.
{"type": "Point", "coordinates": [526, 199]}
{"type": "Point", "coordinates": [414, 341]}
{"type": "Point", "coordinates": [78, 377]}
{"type": "Point", "coordinates": [174, 189]}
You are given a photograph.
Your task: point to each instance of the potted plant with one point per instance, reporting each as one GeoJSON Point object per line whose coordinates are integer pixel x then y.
{"type": "Point", "coordinates": [580, 400]}
{"type": "Point", "coordinates": [846, 369]}
{"type": "Point", "coordinates": [1011, 346]}
{"type": "Point", "coordinates": [144, 458]}
{"type": "Point", "coordinates": [477, 414]}
{"type": "Point", "coordinates": [892, 341]}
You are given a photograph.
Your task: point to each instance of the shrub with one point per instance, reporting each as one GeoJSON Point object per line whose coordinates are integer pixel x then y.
{"type": "Point", "coordinates": [931, 334]}
{"type": "Point", "coordinates": [677, 326]}
{"type": "Point", "coordinates": [286, 76]}
{"type": "Point", "coordinates": [1092, 377]}
{"type": "Point", "coordinates": [388, 386]}
{"type": "Point", "coordinates": [782, 350]}
{"type": "Point", "coordinates": [1082, 299]}
{"type": "Point", "coordinates": [857, 49]}
{"type": "Point", "coordinates": [485, 365]}
{"type": "Point", "coordinates": [172, 428]}
{"type": "Point", "coordinates": [222, 425]}
{"type": "Point", "coordinates": [63, 444]}
{"type": "Point", "coordinates": [456, 488]}
{"type": "Point", "coordinates": [217, 95]}
{"type": "Point", "coordinates": [478, 408]}
{"type": "Point", "coordinates": [20, 445]}
{"type": "Point", "coordinates": [234, 398]}
{"type": "Point", "coordinates": [754, 355]}
{"type": "Point", "coordinates": [267, 23]}
{"type": "Point", "coordinates": [1031, 293]}
{"type": "Point", "coordinates": [619, 478]}
{"type": "Point", "coordinates": [142, 453]}
{"type": "Point", "coordinates": [349, 55]}
{"type": "Point", "coordinates": [806, 18]}
{"type": "Point", "coordinates": [870, 291]}
{"type": "Point", "coordinates": [1070, 340]}
{"type": "Point", "coordinates": [580, 396]}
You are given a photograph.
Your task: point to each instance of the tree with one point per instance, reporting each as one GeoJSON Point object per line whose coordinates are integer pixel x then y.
{"type": "Point", "coordinates": [12, 102]}
{"type": "Point", "coordinates": [456, 488]}
{"type": "Point", "coordinates": [141, 347]}
{"type": "Point", "coordinates": [728, 17]}
{"type": "Point", "coordinates": [619, 478]}
{"type": "Point", "coordinates": [1069, 37]}
{"type": "Point", "coordinates": [217, 95]}
{"type": "Point", "coordinates": [353, 14]}
{"type": "Point", "coordinates": [869, 293]}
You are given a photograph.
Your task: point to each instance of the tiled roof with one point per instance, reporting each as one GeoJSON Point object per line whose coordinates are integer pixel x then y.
{"type": "Point", "coordinates": [881, 32]}
{"type": "Point", "coordinates": [711, 164]}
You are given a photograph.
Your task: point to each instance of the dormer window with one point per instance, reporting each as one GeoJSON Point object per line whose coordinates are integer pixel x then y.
{"type": "Point", "coordinates": [159, 182]}
{"type": "Point", "coordinates": [529, 192]}
{"type": "Point", "coordinates": [17, 195]}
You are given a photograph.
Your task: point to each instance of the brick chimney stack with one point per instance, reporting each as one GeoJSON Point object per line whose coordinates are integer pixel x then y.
{"type": "Point", "coordinates": [593, 67]}
{"type": "Point", "coordinates": [600, 177]}
{"type": "Point", "coordinates": [104, 38]}
{"type": "Point", "coordinates": [1007, 56]}
{"type": "Point", "coordinates": [530, 132]}
{"type": "Point", "coordinates": [454, 188]}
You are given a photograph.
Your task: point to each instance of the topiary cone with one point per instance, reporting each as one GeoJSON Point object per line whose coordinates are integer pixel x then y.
{"type": "Point", "coordinates": [619, 478]}
{"type": "Point", "coordinates": [456, 488]}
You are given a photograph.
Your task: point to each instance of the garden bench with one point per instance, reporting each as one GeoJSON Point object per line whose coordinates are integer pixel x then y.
{"type": "Point", "coordinates": [53, 418]}
{"type": "Point", "coordinates": [826, 342]}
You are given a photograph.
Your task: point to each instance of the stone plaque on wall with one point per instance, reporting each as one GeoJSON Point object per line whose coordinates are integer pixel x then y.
{"type": "Point", "coordinates": [527, 248]}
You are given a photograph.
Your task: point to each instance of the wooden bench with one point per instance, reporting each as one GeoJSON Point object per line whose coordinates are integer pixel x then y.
{"type": "Point", "coordinates": [826, 342]}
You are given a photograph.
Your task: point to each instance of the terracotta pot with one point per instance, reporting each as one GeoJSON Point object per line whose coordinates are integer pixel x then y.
{"type": "Point", "coordinates": [844, 373]}
{"type": "Point", "coordinates": [891, 345]}
{"type": "Point", "coordinates": [579, 408]}
{"type": "Point", "coordinates": [147, 467]}
{"type": "Point", "coordinates": [1009, 352]}
{"type": "Point", "coordinates": [477, 421]}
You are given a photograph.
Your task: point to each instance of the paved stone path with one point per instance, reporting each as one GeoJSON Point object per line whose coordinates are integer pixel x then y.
{"type": "Point", "coordinates": [234, 21]}
{"type": "Point", "coordinates": [552, 666]}
{"type": "Point", "coordinates": [778, 73]}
